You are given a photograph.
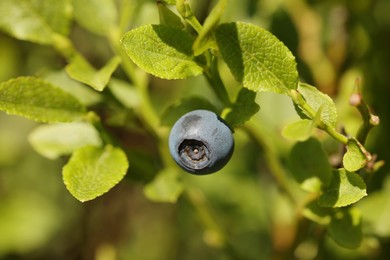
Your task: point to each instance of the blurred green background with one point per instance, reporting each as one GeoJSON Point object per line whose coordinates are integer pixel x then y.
{"type": "Point", "coordinates": [335, 42]}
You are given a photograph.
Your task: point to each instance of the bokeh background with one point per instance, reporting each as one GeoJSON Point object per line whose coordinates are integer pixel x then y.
{"type": "Point", "coordinates": [335, 43]}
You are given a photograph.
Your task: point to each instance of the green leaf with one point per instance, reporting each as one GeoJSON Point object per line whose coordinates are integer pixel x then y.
{"type": "Point", "coordinates": [170, 2]}
{"type": "Point", "coordinates": [126, 93]}
{"type": "Point", "coordinates": [256, 58]}
{"type": "Point", "coordinates": [79, 69]}
{"type": "Point", "coordinates": [35, 20]}
{"type": "Point", "coordinates": [346, 188]}
{"type": "Point", "coordinates": [376, 210]}
{"type": "Point", "coordinates": [83, 93]}
{"type": "Point", "coordinates": [38, 100]}
{"type": "Point", "coordinates": [182, 106]}
{"type": "Point", "coordinates": [163, 51]}
{"type": "Point", "coordinates": [302, 130]}
{"type": "Point", "coordinates": [166, 187]}
{"type": "Point", "coordinates": [97, 16]}
{"type": "Point", "coordinates": [320, 215]}
{"type": "Point", "coordinates": [205, 39]}
{"type": "Point", "coordinates": [346, 228]}
{"type": "Point", "coordinates": [310, 166]}
{"type": "Point", "coordinates": [356, 157]}
{"type": "Point", "coordinates": [318, 100]}
{"type": "Point", "coordinates": [243, 108]}
{"type": "Point", "coordinates": [299, 131]}
{"type": "Point", "coordinates": [92, 171]}
{"type": "Point", "coordinates": [53, 141]}
{"type": "Point", "coordinates": [168, 17]}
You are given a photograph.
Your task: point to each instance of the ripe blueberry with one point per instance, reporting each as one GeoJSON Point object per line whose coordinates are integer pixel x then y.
{"type": "Point", "coordinates": [201, 142]}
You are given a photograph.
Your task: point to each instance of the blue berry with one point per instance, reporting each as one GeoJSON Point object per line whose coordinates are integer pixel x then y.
{"type": "Point", "coordinates": [201, 142]}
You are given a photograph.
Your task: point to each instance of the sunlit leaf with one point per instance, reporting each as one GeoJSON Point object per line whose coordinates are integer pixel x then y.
{"type": "Point", "coordinates": [56, 140]}
{"type": "Point", "coordinates": [318, 100]}
{"type": "Point", "coordinates": [92, 171]}
{"type": "Point", "coordinates": [79, 69]}
{"type": "Point", "coordinates": [34, 20]}
{"type": "Point", "coordinates": [98, 16]}
{"type": "Point", "coordinates": [162, 50]}
{"type": "Point", "coordinates": [83, 93]}
{"type": "Point", "coordinates": [38, 100]}
{"type": "Point", "coordinates": [346, 188]}
{"type": "Point", "coordinates": [300, 130]}
{"type": "Point", "coordinates": [257, 58]}
{"type": "Point", "coordinates": [355, 158]}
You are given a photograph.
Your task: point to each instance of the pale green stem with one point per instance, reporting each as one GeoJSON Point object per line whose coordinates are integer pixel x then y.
{"type": "Point", "coordinates": [194, 23]}
{"type": "Point", "coordinates": [94, 119]}
{"type": "Point", "coordinates": [128, 8]}
{"type": "Point", "coordinates": [256, 133]}
{"type": "Point", "coordinates": [64, 46]}
{"type": "Point", "coordinates": [146, 111]}
{"type": "Point", "coordinates": [139, 80]}
{"type": "Point", "coordinates": [186, 12]}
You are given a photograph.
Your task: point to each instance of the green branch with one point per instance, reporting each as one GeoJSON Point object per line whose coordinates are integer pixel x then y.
{"type": "Point", "coordinates": [254, 130]}
{"type": "Point", "coordinates": [369, 120]}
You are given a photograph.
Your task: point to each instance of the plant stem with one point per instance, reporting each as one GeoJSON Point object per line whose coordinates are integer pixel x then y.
{"type": "Point", "coordinates": [186, 12]}
{"type": "Point", "coordinates": [146, 111]}
{"type": "Point", "coordinates": [333, 133]}
{"type": "Point", "coordinates": [211, 72]}
{"type": "Point", "coordinates": [139, 80]}
{"type": "Point", "coordinates": [94, 119]}
{"type": "Point", "coordinates": [64, 46]}
{"type": "Point", "coordinates": [128, 8]}
{"type": "Point", "coordinates": [369, 120]}
{"type": "Point", "coordinates": [254, 130]}
{"type": "Point", "coordinates": [214, 78]}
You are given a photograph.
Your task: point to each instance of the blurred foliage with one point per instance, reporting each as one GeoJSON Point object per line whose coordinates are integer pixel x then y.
{"type": "Point", "coordinates": [238, 213]}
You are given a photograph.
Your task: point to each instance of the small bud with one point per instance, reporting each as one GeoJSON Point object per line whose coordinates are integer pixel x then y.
{"type": "Point", "coordinates": [374, 120]}
{"type": "Point", "coordinates": [355, 99]}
